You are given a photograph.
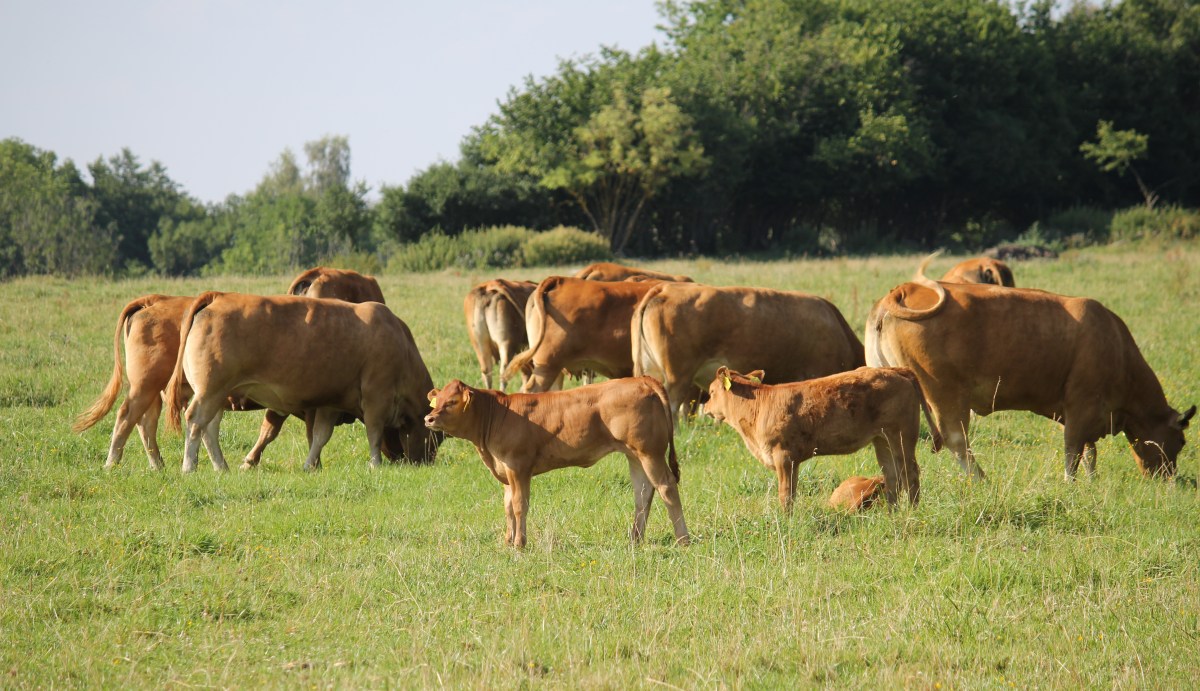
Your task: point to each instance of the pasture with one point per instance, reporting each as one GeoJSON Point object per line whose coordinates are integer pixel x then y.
{"type": "Point", "coordinates": [354, 578]}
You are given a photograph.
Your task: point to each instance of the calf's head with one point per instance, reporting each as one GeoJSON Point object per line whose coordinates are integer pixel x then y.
{"type": "Point", "coordinates": [450, 406]}
{"type": "Point", "coordinates": [727, 389]}
{"type": "Point", "coordinates": [1156, 445]}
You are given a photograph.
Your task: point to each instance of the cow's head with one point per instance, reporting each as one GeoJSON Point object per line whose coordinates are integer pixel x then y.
{"type": "Point", "coordinates": [1157, 446]}
{"type": "Point", "coordinates": [996, 272]}
{"type": "Point", "coordinates": [450, 406]}
{"type": "Point", "coordinates": [727, 389]}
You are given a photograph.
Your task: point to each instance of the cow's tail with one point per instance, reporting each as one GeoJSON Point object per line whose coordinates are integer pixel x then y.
{"type": "Point", "coordinates": [672, 458]}
{"type": "Point", "coordinates": [535, 328]}
{"type": "Point", "coordinates": [108, 397]}
{"type": "Point", "coordinates": [504, 290]}
{"type": "Point", "coordinates": [474, 311]}
{"type": "Point", "coordinates": [893, 302]}
{"type": "Point", "coordinates": [643, 354]}
{"type": "Point", "coordinates": [934, 433]}
{"type": "Point", "coordinates": [174, 395]}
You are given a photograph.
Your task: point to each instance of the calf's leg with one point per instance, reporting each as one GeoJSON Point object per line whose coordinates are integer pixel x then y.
{"type": "Point", "coordinates": [518, 485]}
{"type": "Point", "coordinates": [655, 468]}
{"type": "Point", "coordinates": [643, 495]}
{"type": "Point", "coordinates": [896, 456]}
{"type": "Point", "coordinates": [785, 471]}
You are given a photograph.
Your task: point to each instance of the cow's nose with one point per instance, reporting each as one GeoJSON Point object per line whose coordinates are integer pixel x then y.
{"type": "Point", "coordinates": [429, 421]}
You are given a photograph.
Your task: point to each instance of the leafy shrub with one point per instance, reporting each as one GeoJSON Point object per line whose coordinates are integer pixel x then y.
{"type": "Point", "coordinates": [497, 248]}
{"type": "Point", "coordinates": [563, 245]}
{"type": "Point", "coordinates": [1167, 222]}
{"type": "Point", "coordinates": [1078, 226]}
{"type": "Point", "coordinates": [476, 249]}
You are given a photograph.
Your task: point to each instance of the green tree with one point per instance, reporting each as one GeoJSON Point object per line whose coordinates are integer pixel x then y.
{"type": "Point", "coordinates": [1116, 150]}
{"type": "Point", "coordinates": [601, 131]}
{"type": "Point", "coordinates": [48, 223]}
{"type": "Point", "coordinates": [133, 200]}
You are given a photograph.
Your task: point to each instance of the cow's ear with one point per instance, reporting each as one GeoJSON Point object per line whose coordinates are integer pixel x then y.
{"type": "Point", "coordinates": [432, 396]}
{"type": "Point", "coordinates": [1186, 417]}
{"type": "Point", "coordinates": [466, 399]}
{"type": "Point", "coordinates": [756, 376]}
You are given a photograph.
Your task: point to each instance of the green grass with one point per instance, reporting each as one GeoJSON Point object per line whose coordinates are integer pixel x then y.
{"type": "Point", "coordinates": [353, 578]}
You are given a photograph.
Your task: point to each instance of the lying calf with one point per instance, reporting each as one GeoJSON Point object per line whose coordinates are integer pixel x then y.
{"type": "Point", "coordinates": [856, 493]}
{"type": "Point", "coordinates": [787, 424]}
{"type": "Point", "coordinates": [522, 435]}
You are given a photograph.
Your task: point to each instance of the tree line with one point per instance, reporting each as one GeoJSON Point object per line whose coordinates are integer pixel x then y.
{"type": "Point", "coordinates": [755, 126]}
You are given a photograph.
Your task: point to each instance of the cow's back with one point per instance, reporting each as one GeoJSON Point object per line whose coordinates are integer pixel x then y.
{"type": "Point", "coordinates": [1009, 348]}
{"type": "Point", "coordinates": [790, 335]}
{"type": "Point", "coordinates": [292, 354]}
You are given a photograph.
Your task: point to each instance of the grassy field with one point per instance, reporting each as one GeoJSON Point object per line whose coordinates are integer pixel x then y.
{"type": "Point", "coordinates": [353, 578]}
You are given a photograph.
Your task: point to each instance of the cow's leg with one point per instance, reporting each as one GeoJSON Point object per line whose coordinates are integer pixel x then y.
{"type": "Point", "coordinates": [654, 467]}
{"type": "Point", "coordinates": [148, 430]}
{"type": "Point", "coordinates": [212, 442]}
{"type": "Point", "coordinates": [785, 471]}
{"type": "Point", "coordinates": [897, 459]}
{"type": "Point", "coordinates": [643, 495]}
{"type": "Point", "coordinates": [1089, 458]}
{"type": "Point", "coordinates": [954, 423]}
{"type": "Point", "coordinates": [272, 424]}
{"type": "Point", "coordinates": [128, 415]}
{"type": "Point", "coordinates": [200, 413]}
{"type": "Point", "coordinates": [518, 483]}
{"type": "Point", "coordinates": [678, 393]}
{"type": "Point", "coordinates": [509, 522]}
{"type": "Point", "coordinates": [320, 432]}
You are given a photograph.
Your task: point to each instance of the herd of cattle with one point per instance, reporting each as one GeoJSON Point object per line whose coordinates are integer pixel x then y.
{"type": "Point", "coordinates": [784, 369]}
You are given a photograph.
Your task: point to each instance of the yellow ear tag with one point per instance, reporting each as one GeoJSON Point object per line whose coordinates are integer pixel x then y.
{"type": "Point", "coordinates": [728, 383]}
{"type": "Point", "coordinates": [756, 380]}
{"type": "Point", "coordinates": [433, 402]}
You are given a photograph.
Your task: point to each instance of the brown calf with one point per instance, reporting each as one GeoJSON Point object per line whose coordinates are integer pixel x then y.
{"type": "Point", "coordinates": [786, 424]}
{"type": "Point", "coordinates": [522, 435]}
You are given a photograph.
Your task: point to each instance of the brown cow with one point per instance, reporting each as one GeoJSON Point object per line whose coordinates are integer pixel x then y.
{"type": "Point", "coordinates": [294, 355]}
{"type": "Point", "coordinates": [150, 326]}
{"type": "Point", "coordinates": [681, 333]}
{"type": "Point", "coordinates": [577, 325]}
{"type": "Point", "coordinates": [786, 424]}
{"type": "Point", "coordinates": [987, 348]}
{"type": "Point", "coordinates": [523, 435]}
{"type": "Point", "coordinates": [495, 312]}
{"type": "Point", "coordinates": [151, 336]}
{"type": "Point", "coordinates": [980, 270]}
{"type": "Point", "coordinates": [856, 493]}
{"type": "Point", "coordinates": [339, 284]}
{"type": "Point", "coordinates": [608, 271]}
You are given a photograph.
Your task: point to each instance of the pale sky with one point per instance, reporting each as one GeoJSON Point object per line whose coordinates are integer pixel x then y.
{"type": "Point", "coordinates": [215, 90]}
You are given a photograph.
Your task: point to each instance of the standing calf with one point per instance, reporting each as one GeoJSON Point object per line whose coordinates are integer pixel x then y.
{"type": "Point", "coordinates": [522, 435]}
{"type": "Point", "coordinates": [787, 424]}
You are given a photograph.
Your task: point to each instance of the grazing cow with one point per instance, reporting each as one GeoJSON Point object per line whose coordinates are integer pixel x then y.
{"type": "Point", "coordinates": [495, 312]}
{"type": "Point", "coordinates": [608, 271]}
{"type": "Point", "coordinates": [294, 355]}
{"type": "Point", "coordinates": [577, 325]}
{"type": "Point", "coordinates": [786, 424]}
{"type": "Point", "coordinates": [150, 325]}
{"type": "Point", "coordinates": [856, 493]}
{"type": "Point", "coordinates": [324, 282]}
{"type": "Point", "coordinates": [681, 333]}
{"type": "Point", "coordinates": [980, 270]}
{"type": "Point", "coordinates": [986, 348]}
{"type": "Point", "coordinates": [523, 435]}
